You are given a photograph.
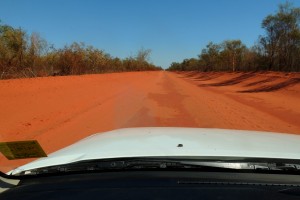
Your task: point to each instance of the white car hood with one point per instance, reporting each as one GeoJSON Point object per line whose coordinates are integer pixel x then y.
{"type": "Point", "coordinates": [145, 142]}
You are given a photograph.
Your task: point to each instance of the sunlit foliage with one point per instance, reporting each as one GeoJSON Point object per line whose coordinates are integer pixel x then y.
{"type": "Point", "coordinates": [277, 50]}
{"type": "Point", "coordinates": [23, 55]}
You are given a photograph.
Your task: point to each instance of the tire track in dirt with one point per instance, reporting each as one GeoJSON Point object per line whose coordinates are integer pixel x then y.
{"type": "Point", "coordinates": [164, 106]}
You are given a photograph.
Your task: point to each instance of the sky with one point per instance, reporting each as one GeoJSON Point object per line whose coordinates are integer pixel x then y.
{"type": "Point", "coordinates": [172, 29]}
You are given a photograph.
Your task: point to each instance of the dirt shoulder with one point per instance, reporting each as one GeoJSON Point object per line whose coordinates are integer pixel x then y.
{"type": "Point", "coordinates": [273, 93]}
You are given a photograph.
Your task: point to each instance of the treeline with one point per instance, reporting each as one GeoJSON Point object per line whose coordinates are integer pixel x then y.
{"type": "Point", "coordinates": [23, 55]}
{"type": "Point", "coordinates": [277, 50]}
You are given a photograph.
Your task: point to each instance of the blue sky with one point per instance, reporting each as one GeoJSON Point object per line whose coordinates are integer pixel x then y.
{"type": "Point", "coordinates": [172, 29]}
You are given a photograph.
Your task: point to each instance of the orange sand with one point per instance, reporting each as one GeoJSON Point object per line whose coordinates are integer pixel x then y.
{"type": "Point", "coordinates": [58, 111]}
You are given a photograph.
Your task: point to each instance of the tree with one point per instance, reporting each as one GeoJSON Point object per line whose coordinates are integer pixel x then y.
{"type": "Point", "coordinates": [233, 52]}
{"type": "Point", "coordinates": [209, 56]}
{"type": "Point", "coordinates": [282, 40]}
{"type": "Point", "coordinates": [12, 49]}
{"type": "Point", "coordinates": [143, 55]}
{"type": "Point", "coordinates": [175, 66]}
{"type": "Point", "coordinates": [38, 47]}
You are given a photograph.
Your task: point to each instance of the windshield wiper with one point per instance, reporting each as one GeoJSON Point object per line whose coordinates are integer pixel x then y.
{"type": "Point", "coordinates": [249, 165]}
{"type": "Point", "coordinates": [99, 165]}
{"type": "Point", "coordinates": [163, 164]}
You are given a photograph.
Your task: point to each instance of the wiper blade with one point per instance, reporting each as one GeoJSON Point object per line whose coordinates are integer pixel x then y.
{"type": "Point", "coordinates": [250, 165]}
{"type": "Point", "coordinates": [137, 164]}
{"type": "Point", "coordinates": [280, 166]}
{"type": "Point", "coordinates": [99, 165]}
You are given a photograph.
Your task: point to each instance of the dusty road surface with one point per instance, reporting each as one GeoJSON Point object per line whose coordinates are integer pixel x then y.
{"type": "Point", "coordinates": [58, 111]}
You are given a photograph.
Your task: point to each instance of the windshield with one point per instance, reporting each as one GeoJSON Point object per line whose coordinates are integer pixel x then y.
{"type": "Point", "coordinates": [71, 69]}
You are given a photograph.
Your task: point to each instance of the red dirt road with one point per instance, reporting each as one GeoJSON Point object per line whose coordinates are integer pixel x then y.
{"type": "Point", "coordinates": [58, 111]}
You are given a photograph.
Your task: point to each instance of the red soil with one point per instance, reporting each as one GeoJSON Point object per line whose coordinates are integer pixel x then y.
{"type": "Point", "coordinates": [58, 111]}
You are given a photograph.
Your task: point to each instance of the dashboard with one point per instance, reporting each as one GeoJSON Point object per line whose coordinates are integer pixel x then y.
{"type": "Point", "coordinates": [157, 185]}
